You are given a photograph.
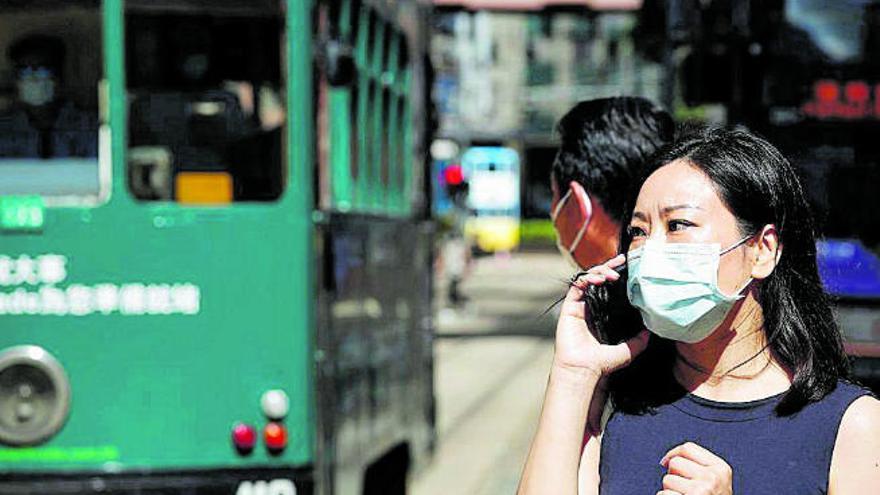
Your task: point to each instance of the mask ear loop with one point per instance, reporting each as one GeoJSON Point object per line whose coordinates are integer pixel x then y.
{"type": "Point", "coordinates": [583, 229]}
{"type": "Point", "coordinates": [559, 206]}
{"type": "Point", "coordinates": [737, 244]}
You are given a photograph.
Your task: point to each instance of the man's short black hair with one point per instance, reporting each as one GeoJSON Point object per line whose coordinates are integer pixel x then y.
{"type": "Point", "coordinates": [49, 47]}
{"type": "Point", "coordinates": [605, 144]}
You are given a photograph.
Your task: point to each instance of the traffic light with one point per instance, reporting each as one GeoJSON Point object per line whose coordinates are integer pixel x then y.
{"type": "Point", "coordinates": [455, 183]}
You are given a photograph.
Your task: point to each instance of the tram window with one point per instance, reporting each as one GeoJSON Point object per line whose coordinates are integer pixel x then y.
{"type": "Point", "coordinates": [50, 66]}
{"type": "Point", "coordinates": [376, 113]}
{"type": "Point", "coordinates": [206, 113]}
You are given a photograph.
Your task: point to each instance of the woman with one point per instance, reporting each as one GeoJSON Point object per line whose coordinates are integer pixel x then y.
{"type": "Point", "coordinates": [742, 388]}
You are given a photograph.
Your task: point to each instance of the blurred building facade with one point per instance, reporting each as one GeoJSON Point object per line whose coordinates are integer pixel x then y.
{"type": "Point", "coordinates": [506, 76]}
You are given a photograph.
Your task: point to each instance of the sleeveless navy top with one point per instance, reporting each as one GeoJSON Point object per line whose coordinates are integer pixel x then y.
{"type": "Point", "coordinates": [769, 454]}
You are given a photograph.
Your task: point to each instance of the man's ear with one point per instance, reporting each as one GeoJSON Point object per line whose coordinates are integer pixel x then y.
{"type": "Point", "coordinates": [768, 252]}
{"type": "Point", "coordinates": [573, 214]}
{"type": "Point", "coordinates": [580, 198]}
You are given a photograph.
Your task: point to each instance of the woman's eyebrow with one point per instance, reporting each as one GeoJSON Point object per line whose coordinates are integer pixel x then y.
{"type": "Point", "coordinates": [638, 215]}
{"type": "Point", "coordinates": [669, 209]}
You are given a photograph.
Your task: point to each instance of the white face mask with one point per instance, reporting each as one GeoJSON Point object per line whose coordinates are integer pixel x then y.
{"type": "Point", "coordinates": [568, 252]}
{"type": "Point", "coordinates": [36, 87]}
{"type": "Point", "coordinates": [675, 287]}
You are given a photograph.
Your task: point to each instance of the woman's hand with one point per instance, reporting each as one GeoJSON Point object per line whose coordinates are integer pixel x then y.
{"type": "Point", "coordinates": [693, 470]}
{"type": "Point", "coordinates": [577, 347]}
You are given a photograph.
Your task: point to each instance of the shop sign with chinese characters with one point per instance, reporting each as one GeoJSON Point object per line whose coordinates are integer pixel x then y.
{"type": "Point", "coordinates": [29, 286]}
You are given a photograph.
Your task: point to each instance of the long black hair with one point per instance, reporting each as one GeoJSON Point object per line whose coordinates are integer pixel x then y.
{"type": "Point", "coordinates": [760, 188]}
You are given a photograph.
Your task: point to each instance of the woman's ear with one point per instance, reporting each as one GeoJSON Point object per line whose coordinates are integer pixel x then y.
{"type": "Point", "coordinates": [768, 251]}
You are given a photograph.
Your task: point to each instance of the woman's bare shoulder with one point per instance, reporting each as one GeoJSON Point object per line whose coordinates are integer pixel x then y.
{"type": "Point", "coordinates": [856, 460]}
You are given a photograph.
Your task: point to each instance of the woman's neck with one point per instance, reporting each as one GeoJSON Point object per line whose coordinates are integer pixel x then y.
{"type": "Point", "coordinates": [735, 363]}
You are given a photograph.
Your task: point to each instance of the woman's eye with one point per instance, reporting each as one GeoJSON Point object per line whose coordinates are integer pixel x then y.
{"type": "Point", "coordinates": [678, 225]}
{"type": "Point", "coordinates": [635, 231]}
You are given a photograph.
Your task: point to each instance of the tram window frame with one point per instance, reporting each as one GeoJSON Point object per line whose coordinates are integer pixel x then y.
{"type": "Point", "coordinates": [403, 143]}
{"type": "Point", "coordinates": [251, 96]}
{"type": "Point", "coordinates": [353, 26]}
{"type": "Point", "coordinates": [407, 136]}
{"type": "Point", "coordinates": [371, 163]}
{"type": "Point", "coordinates": [341, 108]}
{"type": "Point", "coordinates": [75, 24]}
{"type": "Point", "coordinates": [392, 158]}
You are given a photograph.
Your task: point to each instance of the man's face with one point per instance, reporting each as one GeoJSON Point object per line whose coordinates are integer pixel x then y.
{"type": "Point", "coordinates": [35, 80]}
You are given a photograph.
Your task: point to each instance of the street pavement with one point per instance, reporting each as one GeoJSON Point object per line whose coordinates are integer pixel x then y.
{"type": "Point", "coordinates": [491, 362]}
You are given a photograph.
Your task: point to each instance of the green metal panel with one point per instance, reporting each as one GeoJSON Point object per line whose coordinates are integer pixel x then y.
{"type": "Point", "coordinates": [340, 148]}
{"type": "Point", "coordinates": [392, 200]}
{"type": "Point", "coordinates": [377, 127]}
{"type": "Point", "coordinates": [340, 102]}
{"type": "Point", "coordinates": [345, 16]}
{"type": "Point", "coordinates": [159, 376]}
{"type": "Point", "coordinates": [377, 132]}
{"type": "Point", "coordinates": [363, 92]}
{"type": "Point", "coordinates": [301, 157]}
{"type": "Point", "coordinates": [364, 145]}
{"type": "Point", "coordinates": [114, 67]}
{"type": "Point", "coordinates": [408, 151]}
{"type": "Point", "coordinates": [392, 135]}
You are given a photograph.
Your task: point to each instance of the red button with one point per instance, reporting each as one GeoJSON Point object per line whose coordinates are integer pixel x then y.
{"type": "Point", "coordinates": [275, 436]}
{"type": "Point", "coordinates": [244, 437]}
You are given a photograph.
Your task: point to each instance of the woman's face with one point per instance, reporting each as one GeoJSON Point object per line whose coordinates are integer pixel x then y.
{"type": "Point", "coordinates": [678, 203]}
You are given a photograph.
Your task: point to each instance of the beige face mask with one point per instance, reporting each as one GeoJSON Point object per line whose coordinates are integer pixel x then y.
{"type": "Point", "coordinates": [568, 252]}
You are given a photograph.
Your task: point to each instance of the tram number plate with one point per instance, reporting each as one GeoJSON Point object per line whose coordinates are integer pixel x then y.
{"type": "Point", "coordinates": [271, 487]}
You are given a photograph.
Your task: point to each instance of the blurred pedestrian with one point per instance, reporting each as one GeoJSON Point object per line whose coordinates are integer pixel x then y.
{"type": "Point", "coordinates": [456, 245]}
{"type": "Point", "coordinates": [743, 386]}
{"type": "Point", "coordinates": [604, 146]}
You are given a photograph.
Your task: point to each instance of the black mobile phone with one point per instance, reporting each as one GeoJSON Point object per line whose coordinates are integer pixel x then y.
{"type": "Point", "coordinates": [609, 311]}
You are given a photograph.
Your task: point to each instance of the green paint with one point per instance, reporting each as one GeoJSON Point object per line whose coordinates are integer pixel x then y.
{"type": "Point", "coordinates": [165, 390]}
{"type": "Point", "coordinates": [340, 149]}
{"type": "Point", "coordinates": [374, 139]}
{"type": "Point", "coordinates": [377, 129]}
{"type": "Point", "coordinates": [362, 180]}
{"type": "Point", "coordinates": [363, 89]}
{"type": "Point", "coordinates": [88, 455]}
{"type": "Point", "coordinates": [114, 71]}
{"type": "Point", "coordinates": [21, 212]}
{"type": "Point", "coordinates": [408, 151]}
{"type": "Point", "coordinates": [296, 331]}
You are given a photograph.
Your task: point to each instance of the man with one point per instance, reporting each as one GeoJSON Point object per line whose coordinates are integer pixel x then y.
{"type": "Point", "coordinates": [604, 145]}
{"type": "Point", "coordinates": [41, 124]}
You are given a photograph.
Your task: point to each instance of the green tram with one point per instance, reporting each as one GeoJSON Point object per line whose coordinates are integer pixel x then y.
{"type": "Point", "coordinates": [215, 248]}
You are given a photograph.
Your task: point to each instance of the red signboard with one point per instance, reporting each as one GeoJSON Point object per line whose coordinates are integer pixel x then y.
{"type": "Point", "coordinates": [847, 100]}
